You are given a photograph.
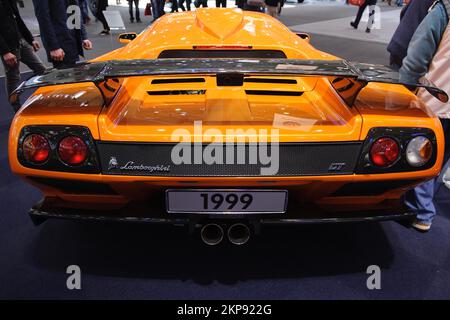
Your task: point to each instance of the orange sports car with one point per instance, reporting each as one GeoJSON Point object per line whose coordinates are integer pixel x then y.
{"type": "Point", "coordinates": [223, 120]}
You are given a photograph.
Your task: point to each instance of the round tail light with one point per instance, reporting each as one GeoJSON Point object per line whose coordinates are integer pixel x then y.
{"type": "Point", "coordinates": [419, 151]}
{"type": "Point", "coordinates": [35, 148]}
{"type": "Point", "coordinates": [72, 150]}
{"type": "Point", "coordinates": [384, 152]}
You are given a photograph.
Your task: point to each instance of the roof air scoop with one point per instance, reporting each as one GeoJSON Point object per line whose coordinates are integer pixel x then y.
{"type": "Point", "coordinates": [228, 23]}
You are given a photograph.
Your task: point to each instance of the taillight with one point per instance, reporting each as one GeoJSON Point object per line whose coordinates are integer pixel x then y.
{"type": "Point", "coordinates": [72, 150]}
{"type": "Point", "coordinates": [36, 148]}
{"type": "Point", "coordinates": [384, 152]}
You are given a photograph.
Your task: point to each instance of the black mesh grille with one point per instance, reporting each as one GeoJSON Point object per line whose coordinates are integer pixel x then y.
{"type": "Point", "coordinates": [295, 159]}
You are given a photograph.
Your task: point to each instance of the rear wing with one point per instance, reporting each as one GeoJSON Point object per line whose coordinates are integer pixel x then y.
{"type": "Point", "coordinates": [347, 78]}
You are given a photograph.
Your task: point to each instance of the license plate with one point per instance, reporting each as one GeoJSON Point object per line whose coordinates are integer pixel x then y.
{"type": "Point", "coordinates": [226, 201]}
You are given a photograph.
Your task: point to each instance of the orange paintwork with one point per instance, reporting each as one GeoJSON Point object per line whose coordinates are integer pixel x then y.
{"type": "Point", "coordinates": [136, 116]}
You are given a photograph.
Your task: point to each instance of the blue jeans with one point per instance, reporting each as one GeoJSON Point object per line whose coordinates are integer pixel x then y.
{"type": "Point", "coordinates": [420, 199]}
{"type": "Point", "coordinates": [84, 10]}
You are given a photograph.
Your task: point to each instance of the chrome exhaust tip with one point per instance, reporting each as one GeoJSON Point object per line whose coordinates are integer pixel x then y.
{"type": "Point", "coordinates": [212, 234]}
{"type": "Point", "coordinates": [238, 234]}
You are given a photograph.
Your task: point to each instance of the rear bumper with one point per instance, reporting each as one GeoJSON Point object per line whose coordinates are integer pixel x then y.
{"type": "Point", "coordinates": [40, 213]}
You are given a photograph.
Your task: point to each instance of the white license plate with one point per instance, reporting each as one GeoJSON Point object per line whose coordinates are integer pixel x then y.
{"type": "Point", "coordinates": [210, 201]}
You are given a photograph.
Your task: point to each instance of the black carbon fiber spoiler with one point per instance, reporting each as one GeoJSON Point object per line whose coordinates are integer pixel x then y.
{"type": "Point", "coordinates": [347, 78]}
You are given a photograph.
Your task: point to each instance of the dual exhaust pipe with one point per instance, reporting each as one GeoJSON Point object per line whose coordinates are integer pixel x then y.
{"type": "Point", "coordinates": [212, 234]}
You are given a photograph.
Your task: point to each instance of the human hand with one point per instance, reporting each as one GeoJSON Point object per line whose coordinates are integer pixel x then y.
{"type": "Point", "coordinates": [87, 44]}
{"type": "Point", "coordinates": [36, 45]}
{"type": "Point", "coordinates": [57, 55]}
{"type": "Point", "coordinates": [10, 59]}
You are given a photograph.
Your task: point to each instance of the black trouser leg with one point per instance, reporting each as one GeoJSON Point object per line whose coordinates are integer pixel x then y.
{"type": "Point", "coordinates": [12, 78]}
{"type": "Point", "coordinates": [138, 13]}
{"type": "Point", "coordinates": [130, 10]}
{"type": "Point", "coordinates": [360, 13]}
{"type": "Point", "coordinates": [174, 5]}
{"type": "Point", "coordinates": [101, 17]}
{"type": "Point", "coordinates": [30, 59]}
{"type": "Point", "coordinates": [221, 3]}
{"type": "Point", "coordinates": [181, 5]}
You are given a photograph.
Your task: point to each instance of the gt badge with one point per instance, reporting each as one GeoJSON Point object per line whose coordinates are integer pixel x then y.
{"type": "Point", "coordinates": [336, 166]}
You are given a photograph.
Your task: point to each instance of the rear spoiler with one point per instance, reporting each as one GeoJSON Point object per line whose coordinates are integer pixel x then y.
{"type": "Point", "coordinates": [347, 78]}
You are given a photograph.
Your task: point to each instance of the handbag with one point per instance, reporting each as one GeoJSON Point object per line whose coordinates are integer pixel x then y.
{"type": "Point", "coordinates": [358, 3]}
{"type": "Point", "coordinates": [148, 9]}
{"type": "Point", "coordinates": [256, 3]}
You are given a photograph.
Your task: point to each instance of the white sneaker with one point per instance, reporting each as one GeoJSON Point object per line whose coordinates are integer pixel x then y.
{"type": "Point", "coordinates": [421, 226]}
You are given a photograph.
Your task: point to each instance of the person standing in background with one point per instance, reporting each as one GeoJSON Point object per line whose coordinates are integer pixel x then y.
{"type": "Point", "coordinates": [161, 5]}
{"type": "Point", "coordinates": [101, 6]}
{"type": "Point", "coordinates": [372, 4]}
{"type": "Point", "coordinates": [16, 45]}
{"type": "Point", "coordinates": [156, 8]}
{"type": "Point", "coordinates": [85, 11]}
{"type": "Point", "coordinates": [130, 7]}
{"type": "Point", "coordinates": [221, 3]}
{"type": "Point", "coordinates": [428, 55]}
{"type": "Point", "coordinates": [64, 46]}
{"type": "Point", "coordinates": [272, 7]}
{"type": "Point", "coordinates": [181, 5]}
{"type": "Point", "coordinates": [252, 5]}
{"type": "Point", "coordinates": [411, 17]}
{"type": "Point", "coordinates": [174, 6]}
{"type": "Point", "coordinates": [201, 3]}
{"type": "Point", "coordinates": [280, 6]}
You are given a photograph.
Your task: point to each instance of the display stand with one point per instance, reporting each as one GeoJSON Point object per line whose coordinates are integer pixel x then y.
{"type": "Point", "coordinates": [115, 22]}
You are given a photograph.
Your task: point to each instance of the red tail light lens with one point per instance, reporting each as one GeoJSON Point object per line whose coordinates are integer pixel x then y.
{"type": "Point", "coordinates": [384, 152]}
{"type": "Point", "coordinates": [36, 148]}
{"type": "Point", "coordinates": [72, 150]}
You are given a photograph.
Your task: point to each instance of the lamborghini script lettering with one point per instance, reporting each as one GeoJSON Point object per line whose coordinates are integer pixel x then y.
{"type": "Point", "coordinates": [131, 166]}
{"type": "Point", "coordinates": [234, 146]}
{"type": "Point", "coordinates": [140, 167]}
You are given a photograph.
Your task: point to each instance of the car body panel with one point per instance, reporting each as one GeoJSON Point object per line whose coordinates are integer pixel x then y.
{"type": "Point", "coordinates": [204, 27]}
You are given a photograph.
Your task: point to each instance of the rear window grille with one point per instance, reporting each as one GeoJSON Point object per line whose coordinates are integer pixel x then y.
{"type": "Point", "coordinates": [267, 80]}
{"type": "Point", "coordinates": [178, 80]}
{"type": "Point", "coordinates": [176, 92]}
{"type": "Point", "coordinates": [239, 54]}
{"type": "Point", "coordinates": [274, 93]}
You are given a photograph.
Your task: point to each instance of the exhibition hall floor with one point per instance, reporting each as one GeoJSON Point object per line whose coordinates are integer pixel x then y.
{"type": "Point", "coordinates": [147, 262]}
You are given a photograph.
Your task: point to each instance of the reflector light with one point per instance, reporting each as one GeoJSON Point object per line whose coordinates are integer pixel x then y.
{"type": "Point", "coordinates": [419, 151]}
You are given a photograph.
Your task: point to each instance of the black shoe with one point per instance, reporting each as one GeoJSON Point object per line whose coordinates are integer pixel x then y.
{"type": "Point", "coordinates": [368, 30]}
{"type": "Point", "coordinates": [131, 20]}
{"type": "Point", "coordinates": [104, 32]}
{"type": "Point", "coordinates": [139, 21]}
{"type": "Point", "coordinates": [353, 25]}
